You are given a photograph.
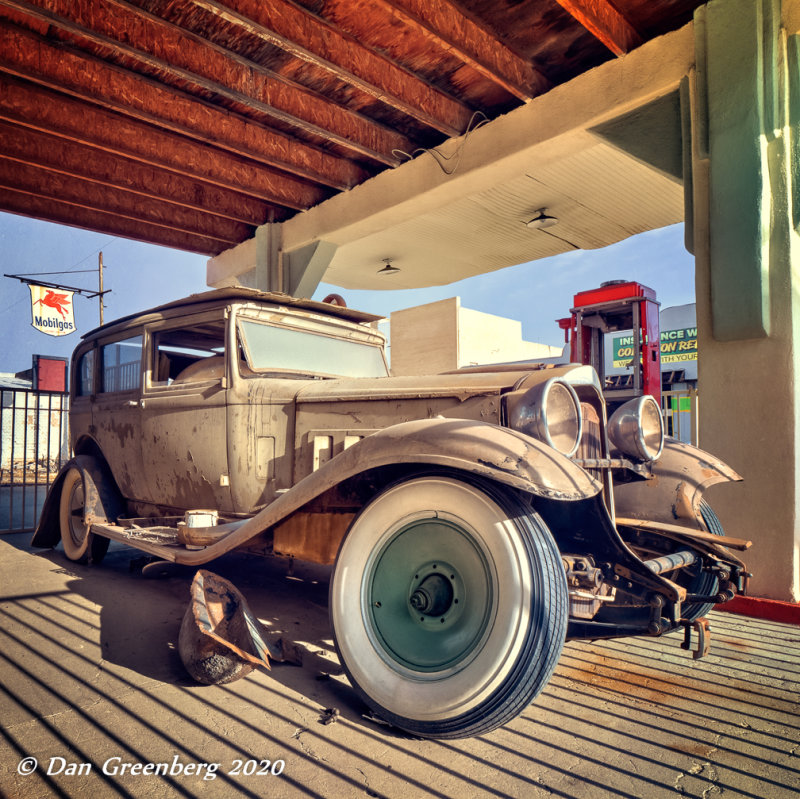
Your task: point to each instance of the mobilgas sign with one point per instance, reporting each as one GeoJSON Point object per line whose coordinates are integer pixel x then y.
{"type": "Point", "coordinates": [51, 310]}
{"type": "Point", "coordinates": [676, 346]}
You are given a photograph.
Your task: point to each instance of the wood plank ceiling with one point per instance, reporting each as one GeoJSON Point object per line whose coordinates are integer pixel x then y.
{"type": "Point", "coordinates": [187, 123]}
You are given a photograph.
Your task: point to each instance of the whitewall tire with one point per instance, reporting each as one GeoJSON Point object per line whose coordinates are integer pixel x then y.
{"type": "Point", "coordinates": [449, 605]}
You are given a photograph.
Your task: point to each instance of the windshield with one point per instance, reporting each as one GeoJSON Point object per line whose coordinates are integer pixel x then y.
{"type": "Point", "coordinates": [281, 349]}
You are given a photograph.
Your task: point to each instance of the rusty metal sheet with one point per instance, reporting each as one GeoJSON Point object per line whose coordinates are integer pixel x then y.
{"type": "Point", "coordinates": [740, 544]}
{"type": "Point", "coordinates": [311, 536]}
{"type": "Point", "coordinates": [220, 638]}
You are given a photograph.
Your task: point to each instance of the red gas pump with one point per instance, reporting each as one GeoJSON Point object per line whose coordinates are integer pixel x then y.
{"type": "Point", "coordinates": [617, 305]}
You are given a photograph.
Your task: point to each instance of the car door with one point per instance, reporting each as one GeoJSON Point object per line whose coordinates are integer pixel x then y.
{"type": "Point", "coordinates": [116, 408]}
{"type": "Point", "coordinates": [184, 431]}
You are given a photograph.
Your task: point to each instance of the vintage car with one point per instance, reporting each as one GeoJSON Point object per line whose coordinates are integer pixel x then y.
{"type": "Point", "coordinates": [475, 520]}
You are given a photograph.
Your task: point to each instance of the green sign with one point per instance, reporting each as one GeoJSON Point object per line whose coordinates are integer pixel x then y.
{"type": "Point", "coordinates": [676, 346]}
{"type": "Point", "coordinates": [681, 404]}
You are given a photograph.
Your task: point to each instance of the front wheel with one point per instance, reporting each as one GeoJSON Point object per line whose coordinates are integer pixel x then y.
{"type": "Point", "coordinates": [702, 582]}
{"type": "Point", "coordinates": [79, 544]}
{"type": "Point", "coordinates": [449, 606]}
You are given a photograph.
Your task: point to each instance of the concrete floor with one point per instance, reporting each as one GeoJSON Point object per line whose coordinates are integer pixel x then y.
{"type": "Point", "coordinates": [89, 671]}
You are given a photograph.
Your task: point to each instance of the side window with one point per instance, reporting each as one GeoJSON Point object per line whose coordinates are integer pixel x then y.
{"type": "Point", "coordinates": [120, 365]}
{"type": "Point", "coordinates": [190, 354]}
{"type": "Point", "coordinates": [85, 374]}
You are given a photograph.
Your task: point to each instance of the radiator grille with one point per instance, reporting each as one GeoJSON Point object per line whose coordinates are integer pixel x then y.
{"type": "Point", "coordinates": [591, 444]}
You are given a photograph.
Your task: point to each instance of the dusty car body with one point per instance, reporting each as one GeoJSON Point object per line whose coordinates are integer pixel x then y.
{"type": "Point", "coordinates": [475, 520]}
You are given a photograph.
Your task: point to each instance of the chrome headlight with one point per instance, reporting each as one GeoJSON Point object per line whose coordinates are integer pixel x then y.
{"type": "Point", "coordinates": [637, 429]}
{"type": "Point", "coordinates": [550, 412]}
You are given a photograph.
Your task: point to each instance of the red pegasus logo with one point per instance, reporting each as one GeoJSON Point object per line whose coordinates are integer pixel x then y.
{"type": "Point", "coordinates": [54, 300]}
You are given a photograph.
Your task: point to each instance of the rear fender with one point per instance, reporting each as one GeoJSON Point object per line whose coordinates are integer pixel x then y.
{"type": "Point", "coordinates": [672, 495]}
{"type": "Point", "coordinates": [103, 501]}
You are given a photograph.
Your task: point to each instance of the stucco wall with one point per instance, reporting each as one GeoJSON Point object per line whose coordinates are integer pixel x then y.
{"type": "Point", "coordinates": [441, 336]}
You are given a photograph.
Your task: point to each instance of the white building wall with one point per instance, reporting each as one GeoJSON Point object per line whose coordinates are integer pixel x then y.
{"type": "Point", "coordinates": [442, 336]}
{"type": "Point", "coordinates": [34, 434]}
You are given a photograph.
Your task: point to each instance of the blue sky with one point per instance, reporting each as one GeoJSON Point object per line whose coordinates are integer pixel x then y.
{"type": "Point", "coordinates": [143, 275]}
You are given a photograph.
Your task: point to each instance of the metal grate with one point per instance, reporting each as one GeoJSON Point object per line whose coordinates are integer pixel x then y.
{"type": "Point", "coordinates": [34, 443]}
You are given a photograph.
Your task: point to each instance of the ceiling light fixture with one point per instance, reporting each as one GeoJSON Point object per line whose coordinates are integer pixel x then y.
{"type": "Point", "coordinates": [388, 269]}
{"type": "Point", "coordinates": [542, 220]}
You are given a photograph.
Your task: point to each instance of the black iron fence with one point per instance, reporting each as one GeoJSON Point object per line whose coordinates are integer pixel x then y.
{"type": "Point", "coordinates": [34, 443]}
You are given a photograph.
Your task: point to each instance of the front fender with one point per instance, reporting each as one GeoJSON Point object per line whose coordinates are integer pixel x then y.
{"type": "Point", "coordinates": [486, 450]}
{"type": "Point", "coordinates": [680, 476]}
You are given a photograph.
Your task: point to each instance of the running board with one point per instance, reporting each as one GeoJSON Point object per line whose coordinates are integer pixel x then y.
{"type": "Point", "coordinates": [159, 541]}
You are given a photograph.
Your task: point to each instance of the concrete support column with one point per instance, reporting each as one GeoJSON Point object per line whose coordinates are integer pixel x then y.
{"type": "Point", "coordinates": [745, 110]}
{"type": "Point", "coordinates": [256, 263]}
{"type": "Point", "coordinates": [261, 263]}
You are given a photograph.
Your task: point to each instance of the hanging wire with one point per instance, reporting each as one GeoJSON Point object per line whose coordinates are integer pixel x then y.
{"type": "Point", "coordinates": [14, 304]}
{"type": "Point", "coordinates": [71, 270]}
{"type": "Point", "coordinates": [90, 293]}
{"type": "Point", "coordinates": [438, 156]}
{"type": "Point", "coordinates": [86, 258]}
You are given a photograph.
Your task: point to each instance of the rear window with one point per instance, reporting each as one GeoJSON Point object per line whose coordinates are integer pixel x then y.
{"type": "Point", "coordinates": [121, 365]}
{"type": "Point", "coordinates": [84, 385]}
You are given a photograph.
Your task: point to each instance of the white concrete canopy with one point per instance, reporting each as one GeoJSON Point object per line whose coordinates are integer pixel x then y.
{"type": "Point", "coordinates": [437, 228]}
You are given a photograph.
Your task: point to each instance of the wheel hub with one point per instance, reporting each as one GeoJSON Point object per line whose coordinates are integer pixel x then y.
{"type": "Point", "coordinates": [433, 596]}
{"type": "Point", "coordinates": [428, 612]}
{"type": "Point", "coordinates": [436, 594]}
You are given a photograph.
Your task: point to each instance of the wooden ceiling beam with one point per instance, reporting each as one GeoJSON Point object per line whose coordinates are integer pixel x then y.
{"type": "Point", "coordinates": [52, 210]}
{"type": "Point", "coordinates": [75, 121]}
{"type": "Point", "coordinates": [449, 29]}
{"type": "Point", "coordinates": [37, 181]}
{"type": "Point", "coordinates": [28, 55]}
{"type": "Point", "coordinates": [604, 22]}
{"type": "Point", "coordinates": [184, 58]}
{"type": "Point", "coordinates": [315, 41]}
{"type": "Point", "coordinates": [29, 146]}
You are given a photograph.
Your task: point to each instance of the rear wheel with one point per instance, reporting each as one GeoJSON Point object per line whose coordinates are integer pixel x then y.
{"type": "Point", "coordinates": [80, 545]}
{"type": "Point", "coordinates": [449, 606]}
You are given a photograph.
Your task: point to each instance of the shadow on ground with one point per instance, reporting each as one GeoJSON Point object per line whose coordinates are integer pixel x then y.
{"type": "Point", "coordinates": [90, 679]}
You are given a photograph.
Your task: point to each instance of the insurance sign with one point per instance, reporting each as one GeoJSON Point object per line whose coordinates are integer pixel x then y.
{"type": "Point", "coordinates": [676, 346]}
{"type": "Point", "coordinates": [51, 310]}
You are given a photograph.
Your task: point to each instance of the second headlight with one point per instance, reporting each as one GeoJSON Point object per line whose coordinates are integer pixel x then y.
{"type": "Point", "coordinates": [637, 429]}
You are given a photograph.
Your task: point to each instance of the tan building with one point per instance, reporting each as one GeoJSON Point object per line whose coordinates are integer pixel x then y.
{"type": "Point", "coordinates": [441, 336]}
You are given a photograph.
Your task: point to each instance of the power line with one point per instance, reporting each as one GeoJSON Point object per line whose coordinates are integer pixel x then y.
{"type": "Point", "coordinates": [95, 252]}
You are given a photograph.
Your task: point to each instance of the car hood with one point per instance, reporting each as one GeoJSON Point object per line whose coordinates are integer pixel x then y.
{"type": "Point", "coordinates": [473, 381]}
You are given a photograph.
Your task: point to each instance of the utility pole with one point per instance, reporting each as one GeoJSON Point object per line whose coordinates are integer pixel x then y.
{"type": "Point", "coordinates": [100, 292]}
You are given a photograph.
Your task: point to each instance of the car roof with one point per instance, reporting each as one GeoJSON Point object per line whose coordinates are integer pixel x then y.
{"type": "Point", "coordinates": [242, 294]}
